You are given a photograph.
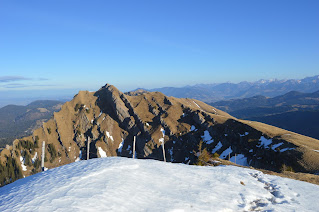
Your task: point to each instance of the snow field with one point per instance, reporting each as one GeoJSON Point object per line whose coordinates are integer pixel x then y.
{"type": "Point", "coordinates": [122, 184]}
{"type": "Point", "coordinates": [24, 167]}
{"type": "Point", "coordinates": [207, 138]}
{"type": "Point", "coordinates": [121, 146]}
{"type": "Point", "coordinates": [102, 153]}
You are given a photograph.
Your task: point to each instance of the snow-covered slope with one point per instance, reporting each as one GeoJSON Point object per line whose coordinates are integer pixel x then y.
{"type": "Point", "coordinates": [122, 184]}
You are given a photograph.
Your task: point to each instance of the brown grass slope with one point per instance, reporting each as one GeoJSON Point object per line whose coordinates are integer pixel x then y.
{"type": "Point", "coordinates": [110, 120]}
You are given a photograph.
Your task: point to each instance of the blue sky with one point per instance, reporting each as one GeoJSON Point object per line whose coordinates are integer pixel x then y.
{"type": "Point", "coordinates": [81, 45]}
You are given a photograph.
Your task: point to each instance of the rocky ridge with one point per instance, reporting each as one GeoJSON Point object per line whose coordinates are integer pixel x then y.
{"type": "Point", "coordinates": [109, 119]}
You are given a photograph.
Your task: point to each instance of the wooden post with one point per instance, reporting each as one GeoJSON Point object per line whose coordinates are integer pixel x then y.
{"type": "Point", "coordinates": [163, 151]}
{"type": "Point", "coordinates": [43, 152]}
{"type": "Point", "coordinates": [235, 158]}
{"type": "Point", "coordinates": [229, 156]}
{"type": "Point", "coordinates": [88, 149]}
{"type": "Point", "coordinates": [134, 141]}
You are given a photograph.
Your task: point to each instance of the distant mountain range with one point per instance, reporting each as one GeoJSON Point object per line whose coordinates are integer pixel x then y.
{"type": "Point", "coordinates": [224, 91]}
{"type": "Point", "coordinates": [294, 111]}
{"type": "Point", "coordinates": [17, 121]}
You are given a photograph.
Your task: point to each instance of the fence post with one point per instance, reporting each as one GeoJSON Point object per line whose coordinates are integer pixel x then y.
{"type": "Point", "coordinates": [88, 149]}
{"type": "Point", "coordinates": [43, 152]}
{"type": "Point", "coordinates": [235, 158]}
{"type": "Point", "coordinates": [163, 151]}
{"type": "Point", "coordinates": [134, 141]}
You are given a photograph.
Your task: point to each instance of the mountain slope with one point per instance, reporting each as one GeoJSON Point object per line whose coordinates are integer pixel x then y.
{"type": "Point", "coordinates": [224, 91]}
{"type": "Point", "coordinates": [303, 122]}
{"type": "Point", "coordinates": [18, 121]}
{"type": "Point", "coordinates": [110, 119]}
{"type": "Point", "coordinates": [294, 111]}
{"type": "Point", "coordinates": [289, 101]}
{"type": "Point", "coordinates": [121, 184]}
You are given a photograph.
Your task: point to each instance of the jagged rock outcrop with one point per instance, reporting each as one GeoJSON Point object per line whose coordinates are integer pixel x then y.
{"type": "Point", "coordinates": [107, 120]}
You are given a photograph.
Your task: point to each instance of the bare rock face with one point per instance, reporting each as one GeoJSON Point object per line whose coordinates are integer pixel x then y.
{"type": "Point", "coordinates": [198, 118]}
{"type": "Point", "coordinates": [109, 96]}
{"type": "Point", "coordinates": [104, 123]}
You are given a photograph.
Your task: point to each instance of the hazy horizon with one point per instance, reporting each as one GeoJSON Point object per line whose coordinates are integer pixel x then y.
{"type": "Point", "coordinates": [24, 97]}
{"type": "Point", "coordinates": [54, 49]}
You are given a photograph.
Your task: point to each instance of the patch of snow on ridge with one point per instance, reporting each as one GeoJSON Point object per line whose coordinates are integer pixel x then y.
{"type": "Point", "coordinates": [226, 153]}
{"type": "Point", "coordinates": [34, 157]}
{"type": "Point", "coordinates": [161, 140]}
{"type": "Point", "coordinates": [129, 148]}
{"type": "Point", "coordinates": [217, 147]}
{"type": "Point", "coordinates": [197, 105]}
{"type": "Point", "coordinates": [193, 128]}
{"type": "Point", "coordinates": [121, 146]}
{"type": "Point", "coordinates": [109, 135]}
{"type": "Point", "coordinates": [240, 159]}
{"type": "Point", "coordinates": [117, 180]}
{"type": "Point", "coordinates": [286, 149]}
{"type": "Point", "coordinates": [163, 131]}
{"type": "Point", "coordinates": [207, 138]}
{"type": "Point", "coordinates": [101, 152]}
{"type": "Point", "coordinates": [246, 133]}
{"type": "Point", "coordinates": [24, 168]}
{"type": "Point", "coordinates": [276, 145]}
{"type": "Point", "coordinates": [80, 156]}
{"type": "Point", "coordinates": [171, 153]}
{"type": "Point", "coordinates": [265, 142]}
{"type": "Point", "coordinates": [210, 142]}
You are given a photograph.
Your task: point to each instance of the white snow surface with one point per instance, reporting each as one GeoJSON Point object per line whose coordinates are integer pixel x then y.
{"type": "Point", "coordinates": [102, 152]}
{"type": "Point", "coordinates": [265, 142]}
{"type": "Point", "coordinates": [161, 140]}
{"type": "Point", "coordinates": [24, 167]}
{"type": "Point", "coordinates": [276, 145]}
{"type": "Point", "coordinates": [217, 147]}
{"type": "Point", "coordinates": [193, 128]}
{"type": "Point", "coordinates": [207, 138]}
{"type": "Point", "coordinates": [285, 149]}
{"type": "Point", "coordinates": [197, 105]}
{"type": "Point", "coordinates": [34, 157]}
{"type": "Point", "coordinates": [240, 159]}
{"type": "Point", "coordinates": [246, 133]}
{"type": "Point", "coordinates": [226, 152]}
{"type": "Point", "coordinates": [163, 131]}
{"type": "Point", "coordinates": [109, 135]}
{"type": "Point", "coordinates": [80, 156]}
{"type": "Point", "coordinates": [123, 184]}
{"type": "Point", "coordinates": [121, 146]}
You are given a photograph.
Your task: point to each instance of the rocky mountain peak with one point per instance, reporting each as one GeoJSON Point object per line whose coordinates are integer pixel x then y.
{"type": "Point", "coordinates": [105, 122]}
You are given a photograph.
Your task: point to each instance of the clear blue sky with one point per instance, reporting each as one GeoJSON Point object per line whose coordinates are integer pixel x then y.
{"type": "Point", "coordinates": [75, 44]}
